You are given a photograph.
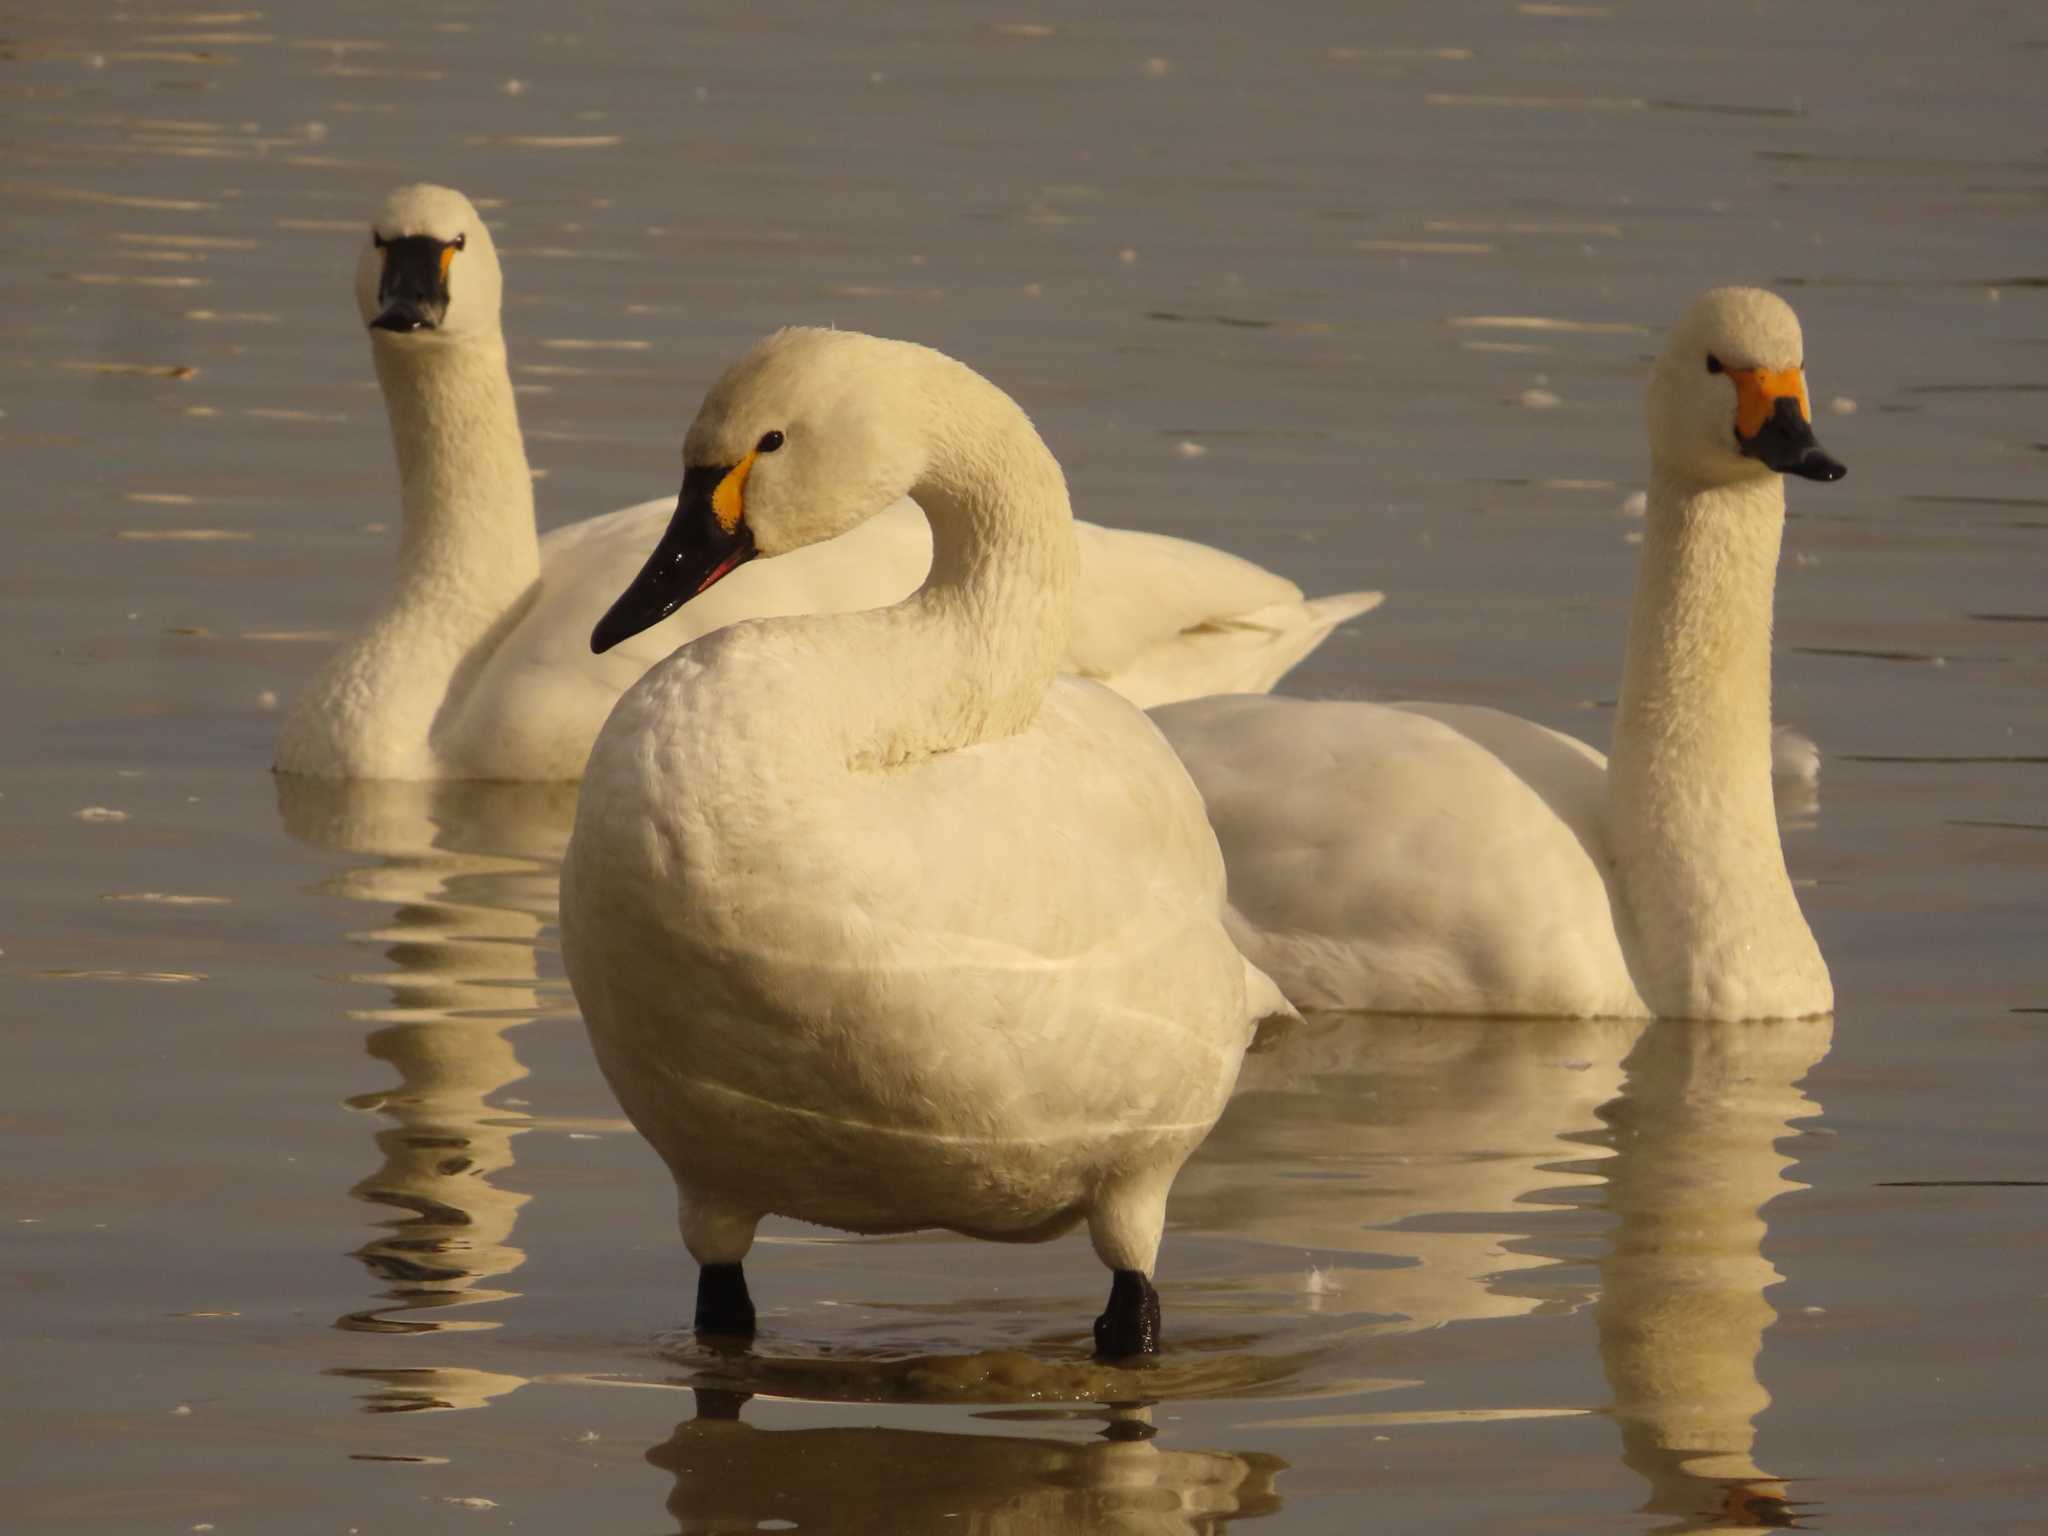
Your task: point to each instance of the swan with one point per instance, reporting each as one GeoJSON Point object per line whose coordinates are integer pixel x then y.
{"type": "Point", "coordinates": [1450, 859]}
{"type": "Point", "coordinates": [875, 921]}
{"type": "Point", "coordinates": [476, 667]}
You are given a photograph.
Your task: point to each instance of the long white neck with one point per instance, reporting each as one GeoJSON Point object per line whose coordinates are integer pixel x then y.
{"type": "Point", "coordinates": [467, 494]}
{"type": "Point", "coordinates": [969, 656]}
{"type": "Point", "coordinates": [1715, 929]}
{"type": "Point", "coordinates": [467, 551]}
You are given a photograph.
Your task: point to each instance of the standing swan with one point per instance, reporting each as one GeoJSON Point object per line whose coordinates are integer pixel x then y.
{"type": "Point", "coordinates": [875, 921]}
{"type": "Point", "coordinates": [1443, 858]}
{"type": "Point", "coordinates": [476, 667]}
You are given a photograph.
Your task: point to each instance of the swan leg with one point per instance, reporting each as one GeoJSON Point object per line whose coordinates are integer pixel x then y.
{"type": "Point", "coordinates": [1125, 1224]}
{"type": "Point", "coordinates": [1129, 1326]}
{"type": "Point", "coordinates": [718, 1238]}
{"type": "Point", "coordinates": [724, 1309]}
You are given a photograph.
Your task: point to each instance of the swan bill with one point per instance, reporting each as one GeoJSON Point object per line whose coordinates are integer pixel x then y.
{"type": "Point", "coordinates": [706, 541]}
{"type": "Point", "coordinates": [412, 294]}
{"type": "Point", "coordinates": [1774, 423]}
{"type": "Point", "coordinates": [1784, 440]}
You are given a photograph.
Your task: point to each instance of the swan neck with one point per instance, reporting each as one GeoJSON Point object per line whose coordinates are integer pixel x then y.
{"type": "Point", "coordinates": [1708, 910]}
{"type": "Point", "coordinates": [1696, 681]}
{"type": "Point", "coordinates": [983, 638]}
{"type": "Point", "coordinates": [467, 552]}
{"type": "Point", "coordinates": [466, 493]}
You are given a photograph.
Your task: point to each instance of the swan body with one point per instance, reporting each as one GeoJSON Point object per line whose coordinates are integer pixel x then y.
{"type": "Point", "coordinates": [1435, 858]}
{"type": "Point", "coordinates": [476, 666]}
{"type": "Point", "coordinates": [874, 920]}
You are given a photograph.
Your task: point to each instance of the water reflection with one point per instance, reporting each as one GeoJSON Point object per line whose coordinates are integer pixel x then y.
{"type": "Point", "coordinates": [425, 1388]}
{"type": "Point", "coordinates": [1385, 1167]}
{"type": "Point", "coordinates": [730, 1475]}
{"type": "Point", "coordinates": [467, 875]}
{"type": "Point", "coordinates": [1682, 1312]}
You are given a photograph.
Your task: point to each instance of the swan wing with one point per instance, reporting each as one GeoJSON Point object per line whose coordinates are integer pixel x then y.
{"type": "Point", "coordinates": [1160, 618]}
{"type": "Point", "coordinates": [539, 696]}
{"type": "Point", "coordinates": [1410, 858]}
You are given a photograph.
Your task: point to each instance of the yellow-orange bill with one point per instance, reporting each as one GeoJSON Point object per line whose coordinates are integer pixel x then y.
{"type": "Point", "coordinates": [1758, 391]}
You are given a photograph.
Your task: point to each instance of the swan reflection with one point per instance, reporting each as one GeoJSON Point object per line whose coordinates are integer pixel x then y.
{"type": "Point", "coordinates": [1682, 1313]}
{"type": "Point", "coordinates": [1385, 1168]}
{"type": "Point", "coordinates": [464, 876]}
{"type": "Point", "coordinates": [734, 1476]}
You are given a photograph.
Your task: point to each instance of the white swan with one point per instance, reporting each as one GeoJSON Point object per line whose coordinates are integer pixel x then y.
{"type": "Point", "coordinates": [1441, 858]}
{"type": "Point", "coordinates": [477, 668]}
{"type": "Point", "coordinates": [875, 921]}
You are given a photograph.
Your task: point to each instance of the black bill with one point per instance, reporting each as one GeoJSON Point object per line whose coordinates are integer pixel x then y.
{"type": "Point", "coordinates": [696, 552]}
{"type": "Point", "coordinates": [1785, 442]}
{"type": "Point", "coordinates": [412, 295]}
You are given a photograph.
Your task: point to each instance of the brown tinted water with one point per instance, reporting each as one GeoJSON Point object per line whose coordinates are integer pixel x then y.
{"type": "Point", "coordinates": [318, 1217]}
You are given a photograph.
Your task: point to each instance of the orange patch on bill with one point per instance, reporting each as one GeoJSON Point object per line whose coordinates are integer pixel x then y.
{"type": "Point", "coordinates": [447, 260]}
{"type": "Point", "coordinates": [1758, 391]}
{"type": "Point", "coordinates": [729, 502]}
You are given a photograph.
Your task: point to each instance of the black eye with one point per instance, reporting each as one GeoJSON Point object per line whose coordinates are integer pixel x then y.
{"type": "Point", "coordinates": [377, 240]}
{"type": "Point", "coordinates": [460, 241]}
{"type": "Point", "coordinates": [770, 441]}
{"type": "Point", "coordinates": [1714, 364]}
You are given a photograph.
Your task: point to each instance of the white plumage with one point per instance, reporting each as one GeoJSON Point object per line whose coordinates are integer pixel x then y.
{"type": "Point", "coordinates": [1434, 858]}
{"type": "Point", "coordinates": [477, 665]}
{"type": "Point", "coordinates": [875, 922]}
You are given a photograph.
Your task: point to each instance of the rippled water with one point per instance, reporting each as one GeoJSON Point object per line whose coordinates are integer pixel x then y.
{"type": "Point", "coordinates": [318, 1216]}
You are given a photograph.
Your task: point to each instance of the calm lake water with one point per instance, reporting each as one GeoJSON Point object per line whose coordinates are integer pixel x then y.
{"type": "Point", "coordinates": [318, 1217]}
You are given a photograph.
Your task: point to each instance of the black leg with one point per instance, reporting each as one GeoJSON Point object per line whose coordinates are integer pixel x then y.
{"type": "Point", "coordinates": [723, 1306]}
{"type": "Point", "coordinates": [1130, 1325]}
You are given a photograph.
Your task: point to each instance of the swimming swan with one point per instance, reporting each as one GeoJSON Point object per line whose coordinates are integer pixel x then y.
{"type": "Point", "coordinates": [876, 921]}
{"type": "Point", "coordinates": [1443, 858]}
{"type": "Point", "coordinates": [476, 666]}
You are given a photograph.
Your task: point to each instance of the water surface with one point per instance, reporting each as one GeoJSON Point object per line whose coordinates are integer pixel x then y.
{"type": "Point", "coordinates": [318, 1215]}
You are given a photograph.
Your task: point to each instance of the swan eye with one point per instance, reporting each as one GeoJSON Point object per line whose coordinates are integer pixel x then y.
{"type": "Point", "coordinates": [377, 240]}
{"type": "Point", "coordinates": [770, 441]}
{"type": "Point", "coordinates": [460, 241]}
{"type": "Point", "coordinates": [1714, 364]}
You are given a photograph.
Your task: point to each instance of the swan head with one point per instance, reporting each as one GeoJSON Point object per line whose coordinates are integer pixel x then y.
{"type": "Point", "coordinates": [1728, 399]}
{"type": "Point", "coordinates": [428, 268]}
{"type": "Point", "coordinates": [810, 434]}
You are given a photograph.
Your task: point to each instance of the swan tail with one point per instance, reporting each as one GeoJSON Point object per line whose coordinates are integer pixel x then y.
{"type": "Point", "coordinates": [1264, 1000]}
{"type": "Point", "coordinates": [1236, 653]}
{"type": "Point", "coordinates": [1326, 613]}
